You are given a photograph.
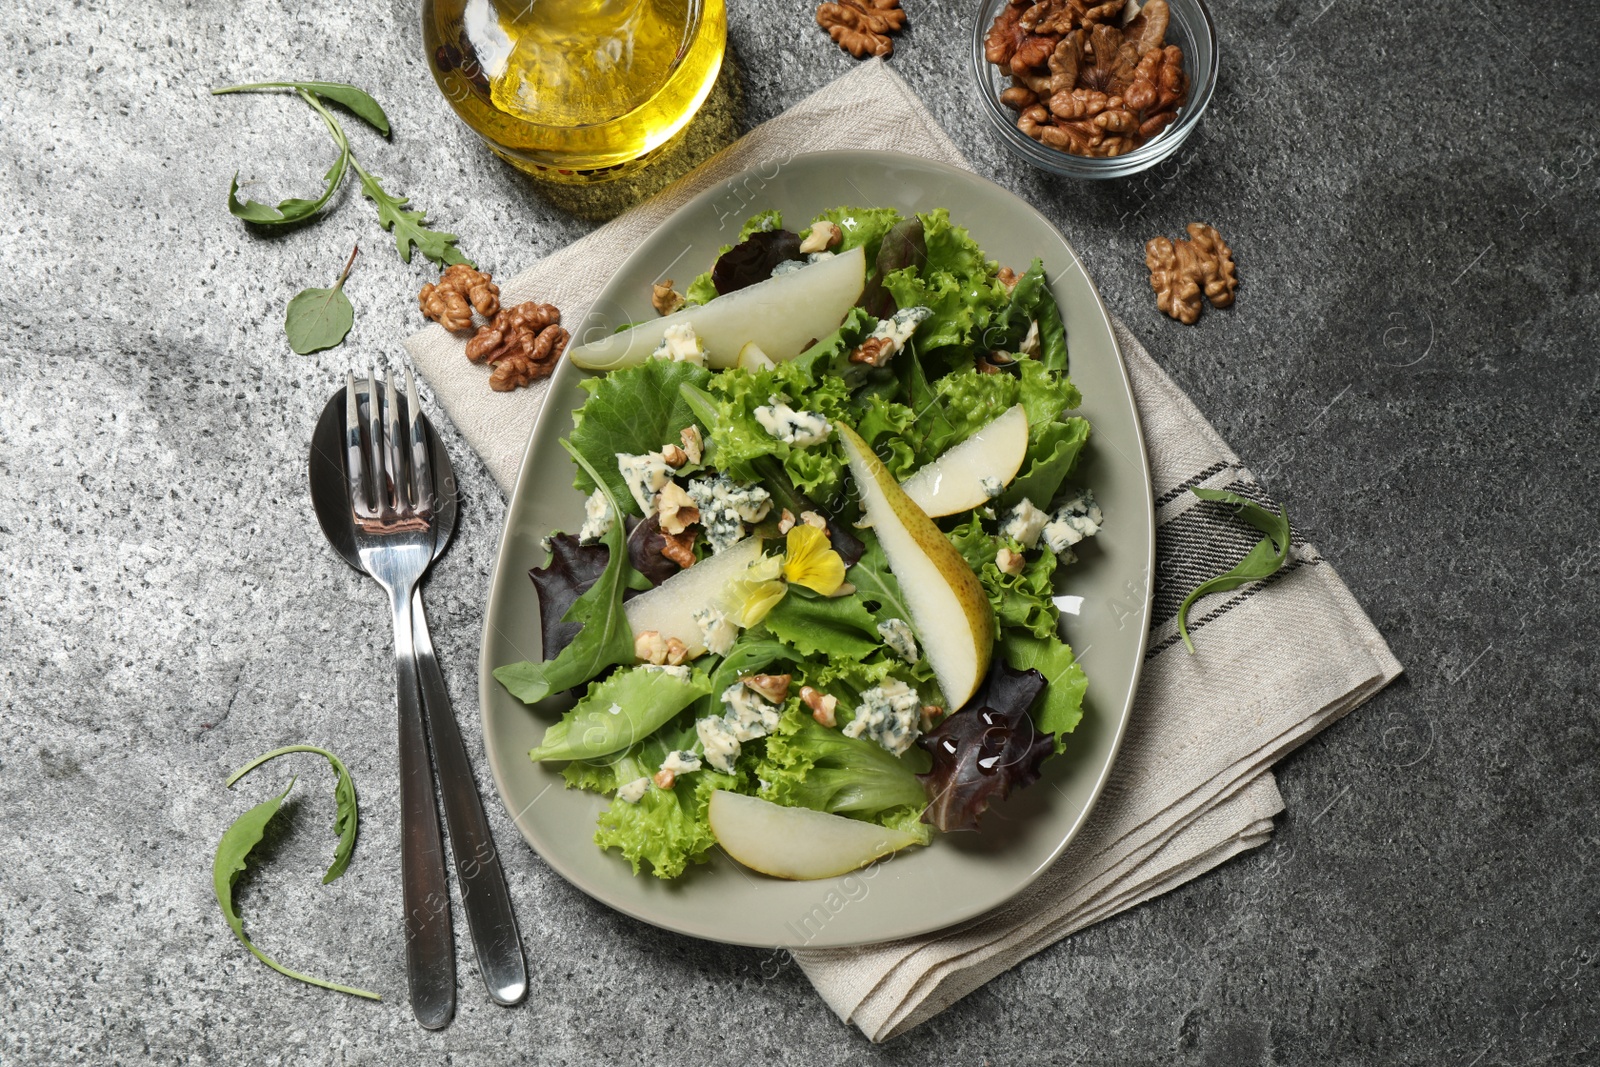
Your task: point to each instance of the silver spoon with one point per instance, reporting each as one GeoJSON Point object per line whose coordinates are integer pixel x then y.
{"type": "Point", "coordinates": [484, 896]}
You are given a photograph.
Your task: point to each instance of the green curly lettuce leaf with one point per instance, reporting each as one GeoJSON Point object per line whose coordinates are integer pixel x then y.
{"type": "Point", "coordinates": [667, 829]}
{"type": "Point", "coordinates": [1020, 601]}
{"type": "Point", "coordinates": [1060, 708]}
{"type": "Point", "coordinates": [859, 227]}
{"type": "Point", "coordinates": [957, 282]}
{"type": "Point", "coordinates": [809, 766]}
{"type": "Point", "coordinates": [634, 410]}
{"type": "Point", "coordinates": [1053, 451]}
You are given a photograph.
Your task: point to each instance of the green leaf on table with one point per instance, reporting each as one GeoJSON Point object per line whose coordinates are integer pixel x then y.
{"type": "Point", "coordinates": [348, 816]}
{"type": "Point", "coordinates": [320, 318]}
{"type": "Point", "coordinates": [407, 226]}
{"type": "Point", "coordinates": [1262, 561]}
{"type": "Point", "coordinates": [620, 711]}
{"type": "Point", "coordinates": [635, 410]}
{"type": "Point", "coordinates": [356, 101]}
{"type": "Point", "coordinates": [232, 860]}
{"type": "Point", "coordinates": [605, 639]}
{"type": "Point", "coordinates": [293, 209]}
{"type": "Point", "coordinates": [1060, 708]}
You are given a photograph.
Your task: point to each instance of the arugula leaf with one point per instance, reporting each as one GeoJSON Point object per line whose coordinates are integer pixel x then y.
{"type": "Point", "coordinates": [605, 639]}
{"type": "Point", "coordinates": [1032, 300]}
{"type": "Point", "coordinates": [1262, 561]}
{"type": "Point", "coordinates": [875, 583]}
{"type": "Point", "coordinates": [320, 318]}
{"type": "Point", "coordinates": [635, 410]}
{"type": "Point", "coordinates": [231, 861]}
{"type": "Point", "coordinates": [1061, 708]}
{"type": "Point", "coordinates": [407, 226]}
{"type": "Point", "coordinates": [618, 711]}
{"type": "Point", "coordinates": [294, 209]}
{"type": "Point", "coordinates": [348, 96]}
{"type": "Point", "coordinates": [344, 795]}
{"type": "Point", "coordinates": [806, 765]}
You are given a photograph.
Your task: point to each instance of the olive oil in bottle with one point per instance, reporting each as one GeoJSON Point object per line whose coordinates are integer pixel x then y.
{"type": "Point", "coordinates": [575, 90]}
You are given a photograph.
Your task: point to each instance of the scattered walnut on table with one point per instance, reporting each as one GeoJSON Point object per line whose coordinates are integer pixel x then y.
{"type": "Point", "coordinates": [862, 27]}
{"type": "Point", "coordinates": [664, 298]}
{"type": "Point", "coordinates": [459, 291]}
{"type": "Point", "coordinates": [1184, 270]}
{"type": "Point", "coordinates": [522, 342]}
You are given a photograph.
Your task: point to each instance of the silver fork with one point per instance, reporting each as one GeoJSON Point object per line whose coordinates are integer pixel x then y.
{"type": "Point", "coordinates": [392, 508]}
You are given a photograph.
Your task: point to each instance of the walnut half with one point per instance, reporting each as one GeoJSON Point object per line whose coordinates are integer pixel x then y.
{"type": "Point", "coordinates": [459, 292]}
{"type": "Point", "coordinates": [1181, 271]}
{"type": "Point", "coordinates": [523, 343]}
{"type": "Point", "coordinates": [862, 27]}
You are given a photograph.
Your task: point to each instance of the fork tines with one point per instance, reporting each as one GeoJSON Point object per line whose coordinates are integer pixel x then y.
{"type": "Point", "coordinates": [386, 452]}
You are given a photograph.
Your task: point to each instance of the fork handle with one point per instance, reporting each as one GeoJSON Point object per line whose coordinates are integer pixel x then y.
{"type": "Point", "coordinates": [430, 944]}
{"type": "Point", "coordinates": [484, 896]}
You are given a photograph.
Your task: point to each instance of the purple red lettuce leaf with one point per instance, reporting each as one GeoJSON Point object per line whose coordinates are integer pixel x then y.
{"type": "Point", "coordinates": [985, 750]}
{"type": "Point", "coordinates": [753, 259]}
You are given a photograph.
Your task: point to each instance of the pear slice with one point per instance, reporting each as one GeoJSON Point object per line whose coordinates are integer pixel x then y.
{"type": "Point", "coordinates": [797, 843]}
{"type": "Point", "coordinates": [781, 315]}
{"type": "Point", "coordinates": [669, 608]}
{"type": "Point", "coordinates": [752, 359]}
{"type": "Point", "coordinates": [955, 481]}
{"type": "Point", "coordinates": [949, 609]}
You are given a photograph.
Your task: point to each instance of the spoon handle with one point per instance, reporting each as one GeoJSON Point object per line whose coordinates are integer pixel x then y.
{"type": "Point", "coordinates": [484, 896]}
{"type": "Point", "coordinates": [430, 945]}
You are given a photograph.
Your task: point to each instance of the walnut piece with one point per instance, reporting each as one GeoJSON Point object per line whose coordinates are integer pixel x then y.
{"type": "Point", "coordinates": [664, 298]}
{"type": "Point", "coordinates": [676, 510]}
{"type": "Point", "coordinates": [774, 687]}
{"type": "Point", "coordinates": [523, 342]}
{"type": "Point", "coordinates": [650, 647]}
{"type": "Point", "coordinates": [823, 236]}
{"type": "Point", "coordinates": [459, 291]}
{"type": "Point", "coordinates": [1181, 271]}
{"type": "Point", "coordinates": [693, 443]}
{"type": "Point", "coordinates": [874, 352]}
{"type": "Point", "coordinates": [822, 705]}
{"type": "Point", "coordinates": [679, 548]}
{"type": "Point", "coordinates": [862, 27]}
{"type": "Point", "coordinates": [1064, 16]}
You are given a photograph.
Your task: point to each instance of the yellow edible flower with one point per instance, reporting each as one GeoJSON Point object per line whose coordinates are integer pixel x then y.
{"type": "Point", "coordinates": [810, 561]}
{"type": "Point", "coordinates": [757, 591]}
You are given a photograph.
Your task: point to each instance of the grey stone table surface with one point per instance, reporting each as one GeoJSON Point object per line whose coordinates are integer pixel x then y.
{"type": "Point", "coordinates": [1411, 192]}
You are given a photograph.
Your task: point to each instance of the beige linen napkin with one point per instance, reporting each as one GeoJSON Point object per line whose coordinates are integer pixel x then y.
{"type": "Point", "coordinates": [1191, 786]}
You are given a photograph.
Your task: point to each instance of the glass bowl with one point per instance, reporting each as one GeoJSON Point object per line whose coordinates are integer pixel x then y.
{"type": "Point", "coordinates": [1190, 28]}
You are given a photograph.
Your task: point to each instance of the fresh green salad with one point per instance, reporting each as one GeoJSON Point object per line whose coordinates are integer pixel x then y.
{"type": "Point", "coordinates": [809, 615]}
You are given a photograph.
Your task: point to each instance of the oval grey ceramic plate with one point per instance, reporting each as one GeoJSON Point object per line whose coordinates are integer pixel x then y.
{"type": "Point", "coordinates": [960, 875]}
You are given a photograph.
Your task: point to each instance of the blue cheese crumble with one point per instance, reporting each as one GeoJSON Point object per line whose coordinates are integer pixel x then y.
{"type": "Point", "coordinates": [1074, 520]}
{"type": "Point", "coordinates": [633, 792]}
{"type": "Point", "coordinates": [748, 712]}
{"type": "Point", "coordinates": [679, 671]}
{"type": "Point", "coordinates": [889, 714]}
{"type": "Point", "coordinates": [644, 476]}
{"type": "Point", "coordinates": [898, 328]}
{"type": "Point", "coordinates": [789, 266]}
{"type": "Point", "coordinates": [717, 631]}
{"type": "Point", "coordinates": [991, 486]}
{"type": "Point", "coordinates": [896, 633]}
{"type": "Point", "coordinates": [597, 518]}
{"type": "Point", "coordinates": [718, 742]}
{"type": "Point", "coordinates": [681, 763]}
{"type": "Point", "coordinates": [1024, 523]}
{"type": "Point", "coordinates": [680, 344]}
{"type": "Point", "coordinates": [798, 428]}
{"type": "Point", "coordinates": [725, 506]}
